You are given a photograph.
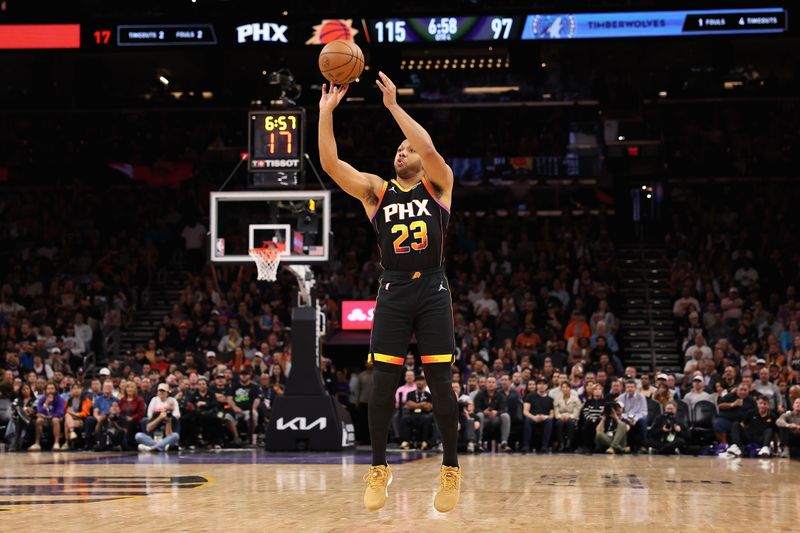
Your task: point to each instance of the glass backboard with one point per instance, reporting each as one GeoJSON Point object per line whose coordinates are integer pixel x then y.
{"type": "Point", "coordinates": [301, 220]}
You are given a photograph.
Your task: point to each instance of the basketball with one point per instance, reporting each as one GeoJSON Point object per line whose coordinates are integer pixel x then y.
{"type": "Point", "coordinates": [341, 62]}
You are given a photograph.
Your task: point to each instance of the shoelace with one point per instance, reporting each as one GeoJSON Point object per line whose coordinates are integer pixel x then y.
{"type": "Point", "coordinates": [450, 480]}
{"type": "Point", "coordinates": [375, 478]}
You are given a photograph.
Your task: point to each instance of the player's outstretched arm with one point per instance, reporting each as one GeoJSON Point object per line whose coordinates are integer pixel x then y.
{"type": "Point", "coordinates": [357, 184]}
{"type": "Point", "coordinates": [436, 168]}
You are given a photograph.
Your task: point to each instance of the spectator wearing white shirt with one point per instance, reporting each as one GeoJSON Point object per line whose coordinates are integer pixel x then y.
{"type": "Point", "coordinates": [73, 343]}
{"type": "Point", "coordinates": [732, 306]}
{"type": "Point", "coordinates": [486, 302]}
{"type": "Point", "coordinates": [193, 237]}
{"type": "Point", "coordinates": [698, 392]}
{"type": "Point", "coordinates": [685, 303]}
{"type": "Point", "coordinates": [162, 413]}
{"type": "Point", "coordinates": [746, 275]}
{"type": "Point", "coordinates": [701, 347]}
{"type": "Point", "coordinates": [83, 331]}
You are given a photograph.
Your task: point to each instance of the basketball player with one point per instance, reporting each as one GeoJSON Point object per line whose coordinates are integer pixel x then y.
{"type": "Point", "coordinates": [410, 216]}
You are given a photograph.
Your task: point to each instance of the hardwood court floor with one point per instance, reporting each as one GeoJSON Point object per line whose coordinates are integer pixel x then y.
{"type": "Point", "coordinates": [255, 491]}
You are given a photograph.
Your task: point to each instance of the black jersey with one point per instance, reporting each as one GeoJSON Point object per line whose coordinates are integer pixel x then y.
{"type": "Point", "coordinates": [411, 225]}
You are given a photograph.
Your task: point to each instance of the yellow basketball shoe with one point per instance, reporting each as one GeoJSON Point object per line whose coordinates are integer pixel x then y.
{"type": "Point", "coordinates": [449, 489]}
{"type": "Point", "coordinates": [378, 480]}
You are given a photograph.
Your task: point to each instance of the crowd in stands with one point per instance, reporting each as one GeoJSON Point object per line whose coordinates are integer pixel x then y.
{"type": "Point", "coordinates": [733, 257]}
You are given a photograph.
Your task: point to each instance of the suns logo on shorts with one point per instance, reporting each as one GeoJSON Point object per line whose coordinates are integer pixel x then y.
{"type": "Point", "coordinates": [332, 30]}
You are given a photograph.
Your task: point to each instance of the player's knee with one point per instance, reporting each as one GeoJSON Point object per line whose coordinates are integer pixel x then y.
{"type": "Point", "coordinates": [438, 373]}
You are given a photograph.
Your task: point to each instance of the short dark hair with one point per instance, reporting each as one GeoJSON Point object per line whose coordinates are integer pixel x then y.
{"type": "Point", "coordinates": [630, 381]}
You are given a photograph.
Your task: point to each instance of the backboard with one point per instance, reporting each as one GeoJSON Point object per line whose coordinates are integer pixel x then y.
{"type": "Point", "coordinates": [245, 219]}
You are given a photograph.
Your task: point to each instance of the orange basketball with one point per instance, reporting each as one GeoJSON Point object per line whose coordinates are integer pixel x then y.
{"type": "Point", "coordinates": [341, 61]}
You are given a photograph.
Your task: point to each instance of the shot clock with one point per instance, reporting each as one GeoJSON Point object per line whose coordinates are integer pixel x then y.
{"type": "Point", "coordinates": [276, 140]}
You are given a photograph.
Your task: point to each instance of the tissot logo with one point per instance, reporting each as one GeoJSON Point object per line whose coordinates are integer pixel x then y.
{"type": "Point", "coordinates": [267, 32]}
{"type": "Point", "coordinates": [300, 423]}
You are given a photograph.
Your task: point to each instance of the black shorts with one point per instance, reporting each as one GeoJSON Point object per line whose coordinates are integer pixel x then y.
{"type": "Point", "coordinates": [418, 303]}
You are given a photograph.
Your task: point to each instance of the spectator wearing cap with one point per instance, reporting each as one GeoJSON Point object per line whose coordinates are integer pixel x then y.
{"type": "Point", "coordinates": [104, 374]}
{"type": "Point", "coordinates": [220, 389]}
{"type": "Point", "coordinates": [417, 414]}
{"type": "Point", "coordinates": [697, 393]}
{"type": "Point", "coordinates": [635, 415]}
{"type": "Point", "coordinates": [162, 414]}
{"type": "Point", "coordinates": [538, 410]}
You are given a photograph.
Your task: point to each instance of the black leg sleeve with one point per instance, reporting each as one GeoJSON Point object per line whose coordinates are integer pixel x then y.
{"type": "Point", "coordinates": [445, 408]}
{"type": "Point", "coordinates": [381, 408]}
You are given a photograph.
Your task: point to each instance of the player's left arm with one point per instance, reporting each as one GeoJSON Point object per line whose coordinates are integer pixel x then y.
{"type": "Point", "coordinates": [437, 171]}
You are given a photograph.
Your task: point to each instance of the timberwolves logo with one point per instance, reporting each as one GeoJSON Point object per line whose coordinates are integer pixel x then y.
{"type": "Point", "coordinates": [19, 491]}
{"type": "Point", "coordinates": [554, 26]}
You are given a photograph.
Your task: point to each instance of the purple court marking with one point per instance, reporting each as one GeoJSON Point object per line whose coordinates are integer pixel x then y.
{"type": "Point", "coordinates": [243, 458]}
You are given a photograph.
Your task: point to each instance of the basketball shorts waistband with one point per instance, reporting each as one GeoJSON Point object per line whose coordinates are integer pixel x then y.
{"type": "Point", "coordinates": [400, 275]}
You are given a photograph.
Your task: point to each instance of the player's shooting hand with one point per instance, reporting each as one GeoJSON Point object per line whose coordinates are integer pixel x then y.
{"type": "Point", "coordinates": [331, 97]}
{"type": "Point", "coordinates": [388, 89]}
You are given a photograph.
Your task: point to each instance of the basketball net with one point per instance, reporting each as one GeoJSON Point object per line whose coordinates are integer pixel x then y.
{"type": "Point", "coordinates": [267, 259]}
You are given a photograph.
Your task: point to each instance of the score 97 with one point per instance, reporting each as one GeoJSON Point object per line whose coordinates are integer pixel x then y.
{"type": "Point", "coordinates": [281, 132]}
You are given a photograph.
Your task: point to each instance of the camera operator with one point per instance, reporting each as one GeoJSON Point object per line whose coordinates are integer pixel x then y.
{"type": "Point", "coordinates": [669, 432]}
{"type": "Point", "coordinates": [162, 413]}
{"type": "Point", "coordinates": [611, 432]}
{"type": "Point", "coordinates": [110, 434]}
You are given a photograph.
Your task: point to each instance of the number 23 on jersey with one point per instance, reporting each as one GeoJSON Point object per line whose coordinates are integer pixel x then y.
{"type": "Point", "coordinates": [419, 234]}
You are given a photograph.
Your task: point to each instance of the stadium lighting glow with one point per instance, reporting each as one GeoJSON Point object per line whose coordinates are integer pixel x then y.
{"type": "Point", "coordinates": [492, 89]}
{"type": "Point", "coordinates": [163, 80]}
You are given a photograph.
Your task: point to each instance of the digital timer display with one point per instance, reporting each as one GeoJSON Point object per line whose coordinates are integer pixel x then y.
{"type": "Point", "coordinates": [443, 29]}
{"type": "Point", "coordinates": [276, 140]}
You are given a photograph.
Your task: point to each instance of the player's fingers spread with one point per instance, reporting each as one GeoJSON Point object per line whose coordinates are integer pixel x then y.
{"type": "Point", "coordinates": [324, 88]}
{"type": "Point", "coordinates": [380, 86]}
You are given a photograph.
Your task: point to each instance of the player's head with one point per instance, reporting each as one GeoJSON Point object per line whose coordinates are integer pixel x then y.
{"type": "Point", "coordinates": [407, 162]}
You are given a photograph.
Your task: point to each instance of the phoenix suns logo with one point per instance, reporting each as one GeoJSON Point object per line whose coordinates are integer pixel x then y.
{"type": "Point", "coordinates": [332, 30]}
{"type": "Point", "coordinates": [16, 492]}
